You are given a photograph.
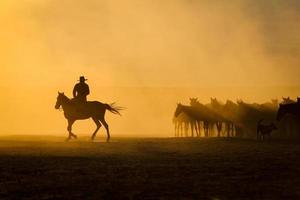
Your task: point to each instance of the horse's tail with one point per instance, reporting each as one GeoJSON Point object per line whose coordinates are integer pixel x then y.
{"type": "Point", "coordinates": [113, 108]}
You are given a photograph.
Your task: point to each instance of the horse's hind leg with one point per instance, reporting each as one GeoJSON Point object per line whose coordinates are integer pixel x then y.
{"type": "Point", "coordinates": [70, 123]}
{"type": "Point", "coordinates": [98, 127]}
{"type": "Point", "coordinates": [106, 127]}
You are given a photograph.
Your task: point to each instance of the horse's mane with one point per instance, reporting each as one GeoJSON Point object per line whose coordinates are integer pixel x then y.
{"type": "Point", "coordinates": [65, 97]}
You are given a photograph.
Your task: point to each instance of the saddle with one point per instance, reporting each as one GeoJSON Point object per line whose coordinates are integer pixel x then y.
{"type": "Point", "coordinates": [80, 107]}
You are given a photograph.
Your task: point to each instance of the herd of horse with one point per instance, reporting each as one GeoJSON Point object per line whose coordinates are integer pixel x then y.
{"type": "Point", "coordinates": [231, 118]}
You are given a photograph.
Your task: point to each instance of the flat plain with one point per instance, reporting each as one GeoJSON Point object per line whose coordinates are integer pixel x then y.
{"type": "Point", "coordinates": [148, 168]}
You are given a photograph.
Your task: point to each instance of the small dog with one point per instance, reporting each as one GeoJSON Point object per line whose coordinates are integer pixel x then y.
{"type": "Point", "coordinates": [263, 130]}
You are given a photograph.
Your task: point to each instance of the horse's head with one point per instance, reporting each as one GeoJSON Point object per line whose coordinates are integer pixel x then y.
{"type": "Point", "coordinates": [178, 110]}
{"type": "Point", "coordinates": [215, 103]}
{"type": "Point", "coordinates": [194, 102]}
{"type": "Point", "coordinates": [287, 100]}
{"type": "Point", "coordinates": [239, 101]}
{"type": "Point", "coordinates": [60, 100]}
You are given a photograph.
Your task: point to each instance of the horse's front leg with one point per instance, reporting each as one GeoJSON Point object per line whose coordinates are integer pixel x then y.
{"type": "Point", "coordinates": [70, 123]}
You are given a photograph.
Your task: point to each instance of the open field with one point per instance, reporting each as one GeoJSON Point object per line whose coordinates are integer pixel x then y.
{"type": "Point", "coordinates": [149, 169]}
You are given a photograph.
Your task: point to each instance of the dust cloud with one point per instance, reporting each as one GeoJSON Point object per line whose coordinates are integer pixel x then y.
{"type": "Point", "coordinates": [146, 55]}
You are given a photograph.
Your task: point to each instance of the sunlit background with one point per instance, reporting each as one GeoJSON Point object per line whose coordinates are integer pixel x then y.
{"type": "Point", "coordinates": [146, 55]}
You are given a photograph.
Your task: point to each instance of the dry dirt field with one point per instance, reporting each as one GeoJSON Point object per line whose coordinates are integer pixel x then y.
{"type": "Point", "coordinates": [125, 168]}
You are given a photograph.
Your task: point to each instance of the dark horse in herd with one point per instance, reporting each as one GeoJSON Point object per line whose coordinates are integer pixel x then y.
{"type": "Point", "coordinates": [91, 109]}
{"type": "Point", "coordinates": [292, 109]}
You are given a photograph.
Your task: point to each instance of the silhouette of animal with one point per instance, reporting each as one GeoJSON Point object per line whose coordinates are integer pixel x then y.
{"type": "Point", "coordinates": [191, 114]}
{"type": "Point", "coordinates": [208, 116]}
{"type": "Point", "coordinates": [176, 126]}
{"type": "Point", "coordinates": [287, 100]}
{"type": "Point", "coordinates": [264, 130]}
{"type": "Point", "coordinates": [235, 119]}
{"type": "Point", "coordinates": [249, 114]}
{"type": "Point", "coordinates": [199, 108]}
{"type": "Point", "coordinates": [232, 111]}
{"type": "Point", "coordinates": [273, 105]}
{"type": "Point", "coordinates": [203, 115]}
{"type": "Point", "coordinates": [222, 109]}
{"type": "Point", "coordinates": [284, 109]}
{"type": "Point", "coordinates": [182, 123]}
{"type": "Point", "coordinates": [91, 109]}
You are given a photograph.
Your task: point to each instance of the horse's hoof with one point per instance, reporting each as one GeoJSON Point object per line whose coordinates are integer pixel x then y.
{"type": "Point", "coordinates": [92, 139]}
{"type": "Point", "coordinates": [75, 136]}
{"type": "Point", "coordinates": [67, 140]}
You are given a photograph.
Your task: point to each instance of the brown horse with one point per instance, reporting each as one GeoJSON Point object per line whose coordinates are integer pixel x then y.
{"type": "Point", "coordinates": [92, 109]}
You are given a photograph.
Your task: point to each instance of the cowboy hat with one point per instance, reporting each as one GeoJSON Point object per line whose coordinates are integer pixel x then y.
{"type": "Point", "coordinates": [81, 78]}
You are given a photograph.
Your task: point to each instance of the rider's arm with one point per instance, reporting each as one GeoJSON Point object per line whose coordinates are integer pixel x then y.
{"type": "Point", "coordinates": [87, 90]}
{"type": "Point", "coordinates": [74, 91]}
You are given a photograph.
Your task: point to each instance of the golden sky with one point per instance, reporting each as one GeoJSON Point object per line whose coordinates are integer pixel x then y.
{"type": "Point", "coordinates": [47, 44]}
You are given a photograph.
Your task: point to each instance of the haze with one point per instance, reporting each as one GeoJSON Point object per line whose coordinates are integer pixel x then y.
{"type": "Point", "coordinates": [145, 54]}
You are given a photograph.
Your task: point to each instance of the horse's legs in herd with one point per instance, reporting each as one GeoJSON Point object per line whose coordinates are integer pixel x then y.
{"type": "Point", "coordinates": [98, 127]}
{"type": "Point", "coordinates": [219, 128]}
{"type": "Point", "coordinates": [210, 129]}
{"type": "Point", "coordinates": [205, 127]}
{"type": "Point", "coordinates": [176, 129]}
{"type": "Point", "coordinates": [181, 129]}
{"type": "Point", "coordinates": [199, 128]}
{"type": "Point", "coordinates": [196, 128]}
{"type": "Point", "coordinates": [229, 129]}
{"type": "Point", "coordinates": [185, 129]}
{"type": "Point", "coordinates": [70, 123]}
{"type": "Point", "coordinates": [106, 127]}
{"type": "Point", "coordinates": [192, 129]}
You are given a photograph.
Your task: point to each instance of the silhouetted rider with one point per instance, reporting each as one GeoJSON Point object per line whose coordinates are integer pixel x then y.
{"type": "Point", "coordinates": [81, 90]}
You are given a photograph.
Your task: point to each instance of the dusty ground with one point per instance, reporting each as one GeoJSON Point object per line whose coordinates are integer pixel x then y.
{"type": "Point", "coordinates": [149, 169]}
